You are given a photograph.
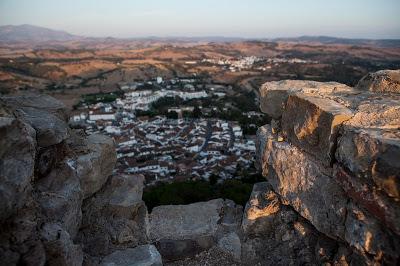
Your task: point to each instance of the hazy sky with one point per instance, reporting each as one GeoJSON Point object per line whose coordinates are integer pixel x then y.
{"type": "Point", "coordinates": [239, 18]}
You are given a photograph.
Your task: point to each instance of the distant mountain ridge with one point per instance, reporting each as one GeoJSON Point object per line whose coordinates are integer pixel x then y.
{"type": "Point", "coordinates": [336, 40]}
{"type": "Point", "coordinates": [35, 34]}
{"type": "Point", "coordinates": [25, 32]}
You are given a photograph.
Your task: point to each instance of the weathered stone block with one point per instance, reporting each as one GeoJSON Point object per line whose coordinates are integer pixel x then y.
{"type": "Point", "coordinates": [96, 164]}
{"type": "Point", "coordinates": [44, 113]}
{"type": "Point", "coordinates": [273, 95]}
{"type": "Point", "coordinates": [41, 102]}
{"type": "Point", "coordinates": [312, 123]}
{"type": "Point", "coordinates": [191, 228]}
{"type": "Point", "coordinates": [304, 184]}
{"type": "Point", "coordinates": [384, 81]}
{"type": "Point", "coordinates": [185, 221]}
{"type": "Point", "coordinates": [372, 155]}
{"type": "Point", "coordinates": [116, 217]}
{"type": "Point", "coordinates": [369, 143]}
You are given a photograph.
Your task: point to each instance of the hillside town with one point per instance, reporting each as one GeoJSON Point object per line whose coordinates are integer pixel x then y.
{"type": "Point", "coordinates": [165, 149]}
{"type": "Point", "coordinates": [253, 62]}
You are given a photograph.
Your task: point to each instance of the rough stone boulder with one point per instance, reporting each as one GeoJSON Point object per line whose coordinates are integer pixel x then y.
{"type": "Point", "coordinates": [273, 95]}
{"type": "Point", "coordinates": [115, 217]}
{"type": "Point", "coordinates": [17, 162]}
{"type": "Point", "coordinates": [274, 234]}
{"type": "Point", "coordinates": [96, 164]}
{"type": "Point", "coordinates": [384, 81]}
{"type": "Point", "coordinates": [369, 143]}
{"type": "Point", "coordinates": [185, 230]}
{"type": "Point", "coordinates": [312, 123]}
{"type": "Point", "coordinates": [44, 113]}
{"type": "Point", "coordinates": [37, 101]}
{"type": "Point", "coordinates": [146, 255]}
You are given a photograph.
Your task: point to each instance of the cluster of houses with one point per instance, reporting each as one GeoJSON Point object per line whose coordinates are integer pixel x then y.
{"type": "Point", "coordinates": [167, 150]}
{"type": "Point", "coordinates": [259, 63]}
{"type": "Point", "coordinates": [175, 149]}
{"type": "Point", "coordinates": [142, 100]}
{"type": "Point", "coordinates": [235, 64]}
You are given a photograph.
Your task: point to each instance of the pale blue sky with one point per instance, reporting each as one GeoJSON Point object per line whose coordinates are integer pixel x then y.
{"type": "Point", "coordinates": [239, 18]}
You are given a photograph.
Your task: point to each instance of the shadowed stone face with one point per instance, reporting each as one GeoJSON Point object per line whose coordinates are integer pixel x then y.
{"type": "Point", "coordinates": [17, 162]}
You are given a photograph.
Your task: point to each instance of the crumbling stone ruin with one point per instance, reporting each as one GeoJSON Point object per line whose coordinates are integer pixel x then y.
{"type": "Point", "coordinates": [332, 154]}
{"type": "Point", "coordinates": [331, 158]}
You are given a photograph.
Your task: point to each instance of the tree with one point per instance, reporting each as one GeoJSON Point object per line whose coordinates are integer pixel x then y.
{"type": "Point", "coordinates": [196, 112]}
{"type": "Point", "coordinates": [172, 115]}
{"type": "Point", "coordinates": [213, 179]}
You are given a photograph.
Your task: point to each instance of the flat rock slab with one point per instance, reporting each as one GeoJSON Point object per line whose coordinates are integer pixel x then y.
{"type": "Point", "coordinates": [273, 95]}
{"type": "Point", "coordinates": [146, 255]}
{"type": "Point", "coordinates": [96, 164]}
{"type": "Point", "coordinates": [37, 101]}
{"type": "Point", "coordinates": [181, 222]}
{"type": "Point", "coordinates": [373, 156]}
{"type": "Point", "coordinates": [312, 123]}
{"type": "Point", "coordinates": [384, 81]}
{"type": "Point", "coordinates": [184, 230]}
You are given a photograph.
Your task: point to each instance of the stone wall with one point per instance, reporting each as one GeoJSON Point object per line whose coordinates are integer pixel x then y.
{"type": "Point", "coordinates": [332, 155]}
{"type": "Point", "coordinates": [59, 202]}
